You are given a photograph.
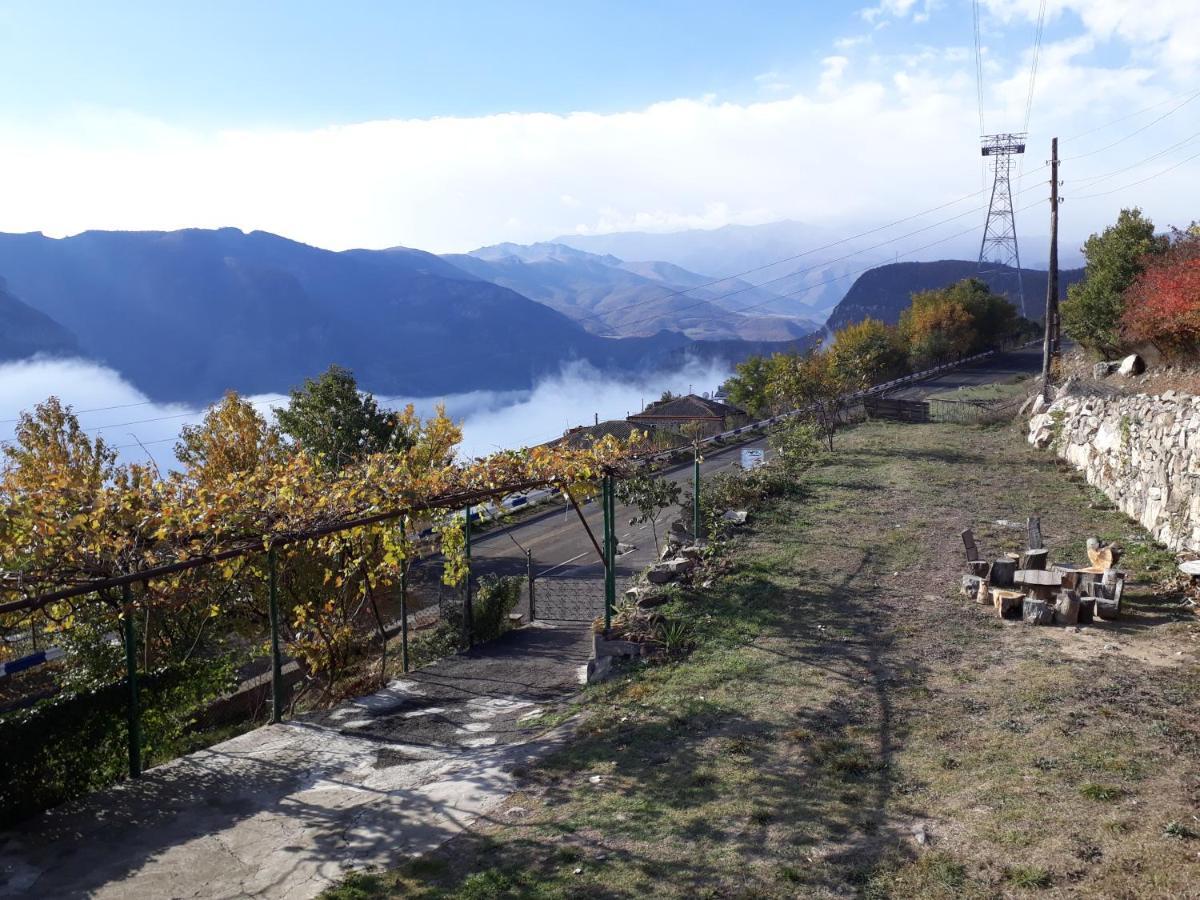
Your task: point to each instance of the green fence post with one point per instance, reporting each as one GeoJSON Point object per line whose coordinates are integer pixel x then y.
{"type": "Point", "coordinates": [404, 616]}
{"type": "Point", "coordinates": [609, 556]}
{"type": "Point", "coordinates": [529, 578]}
{"type": "Point", "coordinates": [135, 730]}
{"type": "Point", "coordinates": [696, 495]}
{"type": "Point", "coordinates": [468, 610]}
{"type": "Point", "coordinates": [276, 659]}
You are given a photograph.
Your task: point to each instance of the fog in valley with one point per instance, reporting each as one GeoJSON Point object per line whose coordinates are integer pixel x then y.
{"type": "Point", "coordinates": [110, 407]}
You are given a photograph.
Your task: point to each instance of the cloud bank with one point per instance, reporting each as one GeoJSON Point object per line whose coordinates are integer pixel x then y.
{"type": "Point", "coordinates": [110, 407]}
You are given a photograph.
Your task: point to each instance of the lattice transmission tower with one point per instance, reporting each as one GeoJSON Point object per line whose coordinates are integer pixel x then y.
{"type": "Point", "coordinates": [999, 246]}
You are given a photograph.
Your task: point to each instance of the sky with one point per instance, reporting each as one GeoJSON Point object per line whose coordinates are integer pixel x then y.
{"type": "Point", "coordinates": [447, 126]}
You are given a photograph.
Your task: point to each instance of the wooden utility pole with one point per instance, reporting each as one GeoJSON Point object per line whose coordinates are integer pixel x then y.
{"type": "Point", "coordinates": [1050, 343]}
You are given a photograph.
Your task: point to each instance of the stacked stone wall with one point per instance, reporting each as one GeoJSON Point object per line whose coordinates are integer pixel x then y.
{"type": "Point", "coordinates": [1142, 451]}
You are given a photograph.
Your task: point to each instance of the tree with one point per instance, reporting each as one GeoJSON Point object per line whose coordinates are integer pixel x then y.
{"type": "Point", "coordinates": [936, 328]}
{"type": "Point", "coordinates": [747, 388]}
{"type": "Point", "coordinates": [1162, 306]}
{"type": "Point", "coordinates": [797, 445]}
{"type": "Point", "coordinates": [1092, 312]}
{"type": "Point", "coordinates": [328, 417]}
{"type": "Point", "coordinates": [233, 437]}
{"type": "Point", "coordinates": [867, 353]}
{"type": "Point", "coordinates": [810, 383]}
{"type": "Point", "coordinates": [650, 495]}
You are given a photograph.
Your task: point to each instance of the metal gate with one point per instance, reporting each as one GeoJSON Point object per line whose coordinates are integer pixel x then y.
{"type": "Point", "coordinates": [896, 409]}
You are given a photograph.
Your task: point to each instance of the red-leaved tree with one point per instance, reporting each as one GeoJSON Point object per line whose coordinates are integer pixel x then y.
{"type": "Point", "coordinates": [1163, 306]}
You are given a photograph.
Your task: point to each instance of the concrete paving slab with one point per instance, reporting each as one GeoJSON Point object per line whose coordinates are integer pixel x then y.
{"type": "Point", "coordinates": [284, 811]}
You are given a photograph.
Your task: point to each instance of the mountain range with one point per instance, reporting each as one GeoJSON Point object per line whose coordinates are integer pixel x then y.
{"type": "Point", "coordinates": [609, 296]}
{"type": "Point", "coordinates": [185, 315]}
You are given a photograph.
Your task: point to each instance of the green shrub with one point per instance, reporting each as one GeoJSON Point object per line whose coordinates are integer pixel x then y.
{"type": "Point", "coordinates": [77, 741]}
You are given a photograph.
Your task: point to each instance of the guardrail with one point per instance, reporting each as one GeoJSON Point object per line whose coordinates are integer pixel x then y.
{"type": "Point", "coordinates": [856, 395]}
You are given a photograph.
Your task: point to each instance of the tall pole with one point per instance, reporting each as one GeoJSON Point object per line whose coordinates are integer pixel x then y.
{"type": "Point", "coordinates": [529, 579]}
{"type": "Point", "coordinates": [696, 494]}
{"type": "Point", "coordinates": [135, 731]}
{"type": "Point", "coordinates": [1050, 342]}
{"type": "Point", "coordinates": [276, 656]}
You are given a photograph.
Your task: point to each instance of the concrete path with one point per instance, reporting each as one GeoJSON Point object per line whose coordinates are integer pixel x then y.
{"type": "Point", "coordinates": [284, 811]}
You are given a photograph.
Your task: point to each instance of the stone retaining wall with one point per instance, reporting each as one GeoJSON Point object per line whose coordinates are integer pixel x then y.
{"type": "Point", "coordinates": [1142, 451]}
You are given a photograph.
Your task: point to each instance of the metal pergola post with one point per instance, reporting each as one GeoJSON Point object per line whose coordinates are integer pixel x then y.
{"type": "Point", "coordinates": [276, 656]}
{"type": "Point", "coordinates": [135, 730]}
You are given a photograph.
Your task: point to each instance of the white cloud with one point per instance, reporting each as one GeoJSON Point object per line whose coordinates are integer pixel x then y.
{"type": "Point", "coordinates": [867, 140]}
{"type": "Point", "coordinates": [109, 406]}
{"type": "Point", "coordinates": [919, 10]}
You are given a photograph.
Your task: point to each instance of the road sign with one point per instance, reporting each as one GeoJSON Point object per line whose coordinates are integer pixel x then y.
{"type": "Point", "coordinates": [752, 457]}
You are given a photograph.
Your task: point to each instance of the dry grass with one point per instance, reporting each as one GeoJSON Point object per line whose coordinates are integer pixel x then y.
{"type": "Point", "coordinates": [850, 726]}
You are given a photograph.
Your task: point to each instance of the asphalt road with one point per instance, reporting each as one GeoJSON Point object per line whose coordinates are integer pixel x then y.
{"type": "Point", "coordinates": [560, 545]}
{"type": "Point", "coordinates": [999, 368]}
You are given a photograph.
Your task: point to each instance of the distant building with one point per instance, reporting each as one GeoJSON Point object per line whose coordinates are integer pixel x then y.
{"type": "Point", "coordinates": [691, 415]}
{"type": "Point", "coordinates": [584, 436]}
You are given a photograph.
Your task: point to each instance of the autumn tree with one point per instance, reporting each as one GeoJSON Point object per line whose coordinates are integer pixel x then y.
{"type": "Point", "coordinates": [649, 495]}
{"type": "Point", "coordinates": [330, 418]}
{"type": "Point", "coordinates": [1162, 306]}
{"type": "Point", "coordinates": [809, 384]}
{"type": "Point", "coordinates": [936, 328]}
{"type": "Point", "coordinates": [867, 353]}
{"type": "Point", "coordinates": [1116, 258]}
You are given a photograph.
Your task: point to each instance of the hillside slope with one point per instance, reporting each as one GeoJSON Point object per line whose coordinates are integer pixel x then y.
{"type": "Point", "coordinates": [608, 296]}
{"type": "Point", "coordinates": [886, 291]}
{"type": "Point", "coordinates": [25, 332]}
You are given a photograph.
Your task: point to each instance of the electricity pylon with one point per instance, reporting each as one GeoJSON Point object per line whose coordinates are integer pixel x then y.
{"type": "Point", "coordinates": [999, 245]}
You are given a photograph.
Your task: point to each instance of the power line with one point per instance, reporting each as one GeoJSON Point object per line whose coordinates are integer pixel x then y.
{"type": "Point", "coordinates": [1141, 162]}
{"type": "Point", "coordinates": [1132, 115]}
{"type": "Point", "coordinates": [978, 64]}
{"type": "Point", "coordinates": [1033, 67]}
{"type": "Point", "coordinates": [1138, 131]}
{"type": "Point", "coordinates": [1140, 181]}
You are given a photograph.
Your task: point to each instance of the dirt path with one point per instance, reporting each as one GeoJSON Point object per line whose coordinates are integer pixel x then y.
{"type": "Point", "coordinates": [280, 811]}
{"type": "Point", "coordinates": [851, 726]}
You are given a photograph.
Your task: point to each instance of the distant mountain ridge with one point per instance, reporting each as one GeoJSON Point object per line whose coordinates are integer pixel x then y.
{"type": "Point", "coordinates": [607, 296]}
{"type": "Point", "coordinates": [886, 291]}
{"type": "Point", "coordinates": [185, 315]}
{"type": "Point", "coordinates": [25, 332]}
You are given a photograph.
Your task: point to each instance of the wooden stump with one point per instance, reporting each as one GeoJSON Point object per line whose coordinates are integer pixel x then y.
{"type": "Point", "coordinates": [983, 595]}
{"type": "Point", "coordinates": [1087, 610]}
{"type": "Point", "coordinates": [1108, 597]}
{"type": "Point", "coordinates": [1070, 574]}
{"type": "Point", "coordinates": [1008, 603]}
{"type": "Point", "coordinates": [1037, 612]}
{"type": "Point", "coordinates": [1066, 610]}
{"type": "Point", "coordinates": [1034, 559]}
{"type": "Point", "coordinates": [1002, 573]}
{"type": "Point", "coordinates": [980, 567]}
{"type": "Point", "coordinates": [1033, 527]}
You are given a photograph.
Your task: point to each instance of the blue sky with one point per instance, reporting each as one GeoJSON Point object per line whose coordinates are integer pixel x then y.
{"type": "Point", "coordinates": [311, 64]}
{"type": "Point", "coordinates": [453, 124]}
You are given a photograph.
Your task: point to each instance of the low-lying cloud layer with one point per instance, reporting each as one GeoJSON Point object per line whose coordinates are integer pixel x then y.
{"type": "Point", "coordinates": [109, 406]}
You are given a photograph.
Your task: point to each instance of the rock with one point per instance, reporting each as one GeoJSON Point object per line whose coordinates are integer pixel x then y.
{"type": "Point", "coordinates": [920, 835]}
{"type": "Point", "coordinates": [622, 549]}
{"type": "Point", "coordinates": [693, 551]}
{"type": "Point", "coordinates": [516, 812]}
{"type": "Point", "coordinates": [970, 585]}
{"type": "Point", "coordinates": [660, 575]}
{"type": "Point", "coordinates": [595, 779]}
{"type": "Point", "coordinates": [1191, 568]}
{"type": "Point", "coordinates": [1131, 365]}
{"type": "Point", "coordinates": [1104, 369]}
{"type": "Point", "coordinates": [681, 565]}
{"type": "Point", "coordinates": [1037, 612]}
{"type": "Point", "coordinates": [735, 517]}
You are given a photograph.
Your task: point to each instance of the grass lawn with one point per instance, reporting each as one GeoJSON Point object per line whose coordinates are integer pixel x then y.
{"type": "Point", "coordinates": [1015, 389]}
{"type": "Point", "coordinates": [850, 726]}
